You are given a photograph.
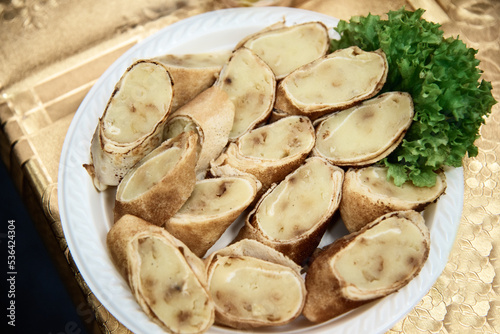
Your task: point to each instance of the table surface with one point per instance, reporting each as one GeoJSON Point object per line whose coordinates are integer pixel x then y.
{"type": "Point", "coordinates": [49, 62]}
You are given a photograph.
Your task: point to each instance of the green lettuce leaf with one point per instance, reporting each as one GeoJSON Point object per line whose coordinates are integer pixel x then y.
{"type": "Point", "coordinates": [442, 75]}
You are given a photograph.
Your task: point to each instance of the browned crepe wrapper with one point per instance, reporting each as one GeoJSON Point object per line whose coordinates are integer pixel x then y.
{"type": "Point", "coordinates": [192, 73]}
{"type": "Point", "coordinates": [365, 133]}
{"type": "Point", "coordinates": [162, 200]}
{"type": "Point", "coordinates": [294, 149]}
{"type": "Point", "coordinates": [330, 294]}
{"type": "Point", "coordinates": [110, 159]}
{"type": "Point", "coordinates": [289, 102]}
{"type": "Point", "coordinates": [212, 114]}
{"type": "Point", "coordinates": [361, 205]}
{"type": "Point", "coordinates": [300, 242]}
{"type": "Point", "coordinates": [124, 240]}
{"type": "Point", "coordinates": [286, 48]}
{"type": "Point", "coordinates": [197, 226]}
{"type": "Point", "coordinates": [251, 86]}
{"type": "Point", "coordinates": [228, 315]}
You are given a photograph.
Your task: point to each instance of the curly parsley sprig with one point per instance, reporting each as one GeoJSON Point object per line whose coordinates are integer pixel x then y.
{"type": "Point", "coordinates": [442, 75]}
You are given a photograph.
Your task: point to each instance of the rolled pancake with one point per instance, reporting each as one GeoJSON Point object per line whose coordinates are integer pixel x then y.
{"type": "Point", "coordinates": [292, 216]}
{"type": "Point", "coordinates": [213, 206]}
{"type": "Point", "coordinates": [253, 285]}
{"type": "Point", "coordinates": [192, 73]}
{"type": "Point", "coordinates": [157, 187]}
{"type": "Point", "coordinates": [211, 115]}
{"type": "Point", "coordinates": [367, 194]}
{"type": "Point", "coordinates": [270, 152]}
{"type": "Point", "coordinates": [366, 133]}
{"type": "Point", "coordinates": [374, 262]}
{"type": "Point", "coordinates": [132, 123]}
{"type": "Point", "coordinates": [166, 278]}
{"type": "Point", "coordinates": [286, 48]}
{"type": "Point", "coordinates": [334, 82]}
{"type": "Point", "coordinates": [251, 86]}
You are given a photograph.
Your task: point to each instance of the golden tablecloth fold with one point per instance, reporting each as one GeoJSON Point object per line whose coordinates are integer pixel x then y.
{"type": "Point", "coordinates": [50, 63]}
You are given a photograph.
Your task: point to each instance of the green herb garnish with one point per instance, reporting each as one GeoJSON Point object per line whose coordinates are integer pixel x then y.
{"type": "Point", "coordinates": [442, 75]}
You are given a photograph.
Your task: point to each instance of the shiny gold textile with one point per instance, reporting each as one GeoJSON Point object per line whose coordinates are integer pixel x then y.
{"type": "Point", "coordinates": [53, 51]}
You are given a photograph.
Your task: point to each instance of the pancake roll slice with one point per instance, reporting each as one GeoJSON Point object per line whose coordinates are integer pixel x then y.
{"type": "Point", "coordinates": [253, 285]}
{"type": "Point", "coordinates": [366, 133]}
{"type": "Point", "coordinates": [368, 194]}
{"type": "Point", "coordinates": [334, 82]}
{"type": "Point", "coordinates": [157, 187]}
{"type": "Point", "coordinates": [132, 123]}
{"type": "Point", "coordinates": [192, 73]}
{"type": "Point", "coordinates": [166, 278]}
{"type": "Point", "coordinates": [251, 86]}
{"type": "Point", "coordinates": [210, 114]}
{"type": "Point", "coordinates": [372, 263]}
{"type": "Point", "coordinates": [286, 48]}
{"type": "Point", "coordinates": [270, 152]}
{"type": "Point", "coordinates": [213, 206]}
{"type": "Point", "coordinates": [293, 215]}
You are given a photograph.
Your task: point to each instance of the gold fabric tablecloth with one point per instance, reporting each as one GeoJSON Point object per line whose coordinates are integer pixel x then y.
{"type": "Point", "coordinates": [52, 52]}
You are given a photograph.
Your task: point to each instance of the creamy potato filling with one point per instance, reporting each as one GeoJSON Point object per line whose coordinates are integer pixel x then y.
{"type": "Point", "coordinates": [252, 289]}
{"type": "Point", "coordinates": [141, 101]}
{"type": "Point", "coordinates": [298, 203]}
{"type": "Point", "coordinates": [283, 138]}
{"type": "Point", "coordinates": [344, 75]}
{"type": "Point", "coordinates": [375, 179]}
{"type": "Point", "coordinates": [217, 196]}
{"type": "Point", "coordinates": [365, 130]}
{"type": "Point", "coordinates": [170, 288]}
{"type": "Point", "coordinates": [306, 42]}
{"type": "Point", "coordinates": [148, 173]}
{"type": "Point", "coordinates": [249, 84]}
{"type": "Point", "coordinates": [381, 257]}
{"type": "Point", "coordinates": [178, 125]}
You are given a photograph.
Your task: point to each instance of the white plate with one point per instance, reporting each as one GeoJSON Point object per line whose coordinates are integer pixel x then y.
{"type": "Point", "coordinates": [86, 215]}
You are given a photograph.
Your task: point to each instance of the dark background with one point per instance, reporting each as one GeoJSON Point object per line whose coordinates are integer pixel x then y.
{"type": "Point", "coordinates": [42, 302]}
